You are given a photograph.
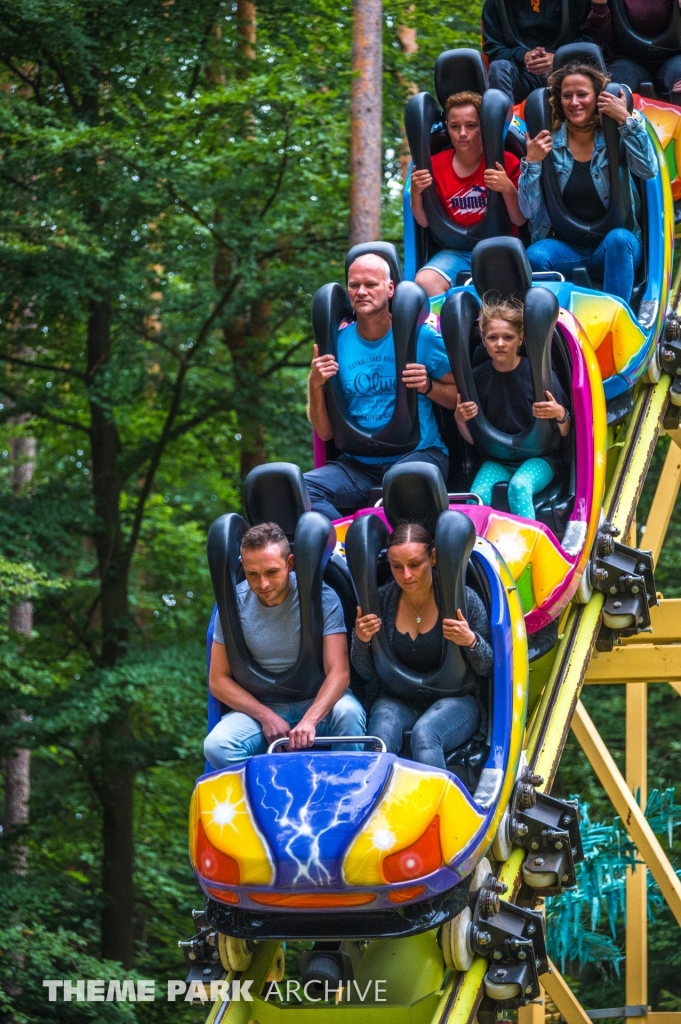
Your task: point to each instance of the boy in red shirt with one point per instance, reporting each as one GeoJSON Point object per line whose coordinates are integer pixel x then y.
{"type": "Point", "coordinates": [461, 182]}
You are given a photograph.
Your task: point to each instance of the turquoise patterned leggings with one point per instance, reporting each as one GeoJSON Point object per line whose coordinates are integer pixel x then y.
{"type": "Point", "coordinates": [523, 483]}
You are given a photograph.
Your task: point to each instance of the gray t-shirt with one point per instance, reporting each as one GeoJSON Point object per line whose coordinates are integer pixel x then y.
{"type": "Point", "coordinates": [272, 634]}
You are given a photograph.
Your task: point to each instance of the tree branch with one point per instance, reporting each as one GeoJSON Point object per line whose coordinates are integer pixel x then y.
{"type": "Point", "coordinates": [280, 177]}
{"type": "Point", "coordinates": [284, 361]}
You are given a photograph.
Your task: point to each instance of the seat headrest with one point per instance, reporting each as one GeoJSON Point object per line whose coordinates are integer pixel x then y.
{"type": "Point", "coordinates": [386, 250]}
{"type": "Point", "coordinates": [500, 265]}
{"type": "Point", "coordinates": [585, 53]}
{"type": "Point", "coordinates": [459, 71]}
{"type": "Point", "coordinates": [414, 492]}
{"type": "Point", "coordinates": [276, 493]}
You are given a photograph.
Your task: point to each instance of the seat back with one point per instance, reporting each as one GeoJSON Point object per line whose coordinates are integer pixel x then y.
{"type": "Point", "coordinates": [386, 250]}
{"type": "Point", "coordinates": [414, 492]}
{"type": "Point", "coordinates": [410, 308]}
{"type": "Point", "coordinates": [276, 493]}
{"type": "Point", "coordinates": [461, 70]}
{"type": "Point", "coordinates": [501, 265]}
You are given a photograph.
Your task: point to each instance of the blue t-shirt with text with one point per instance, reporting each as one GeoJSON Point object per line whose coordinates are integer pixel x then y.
{"type": "Point", "coordinates": [367, 373]}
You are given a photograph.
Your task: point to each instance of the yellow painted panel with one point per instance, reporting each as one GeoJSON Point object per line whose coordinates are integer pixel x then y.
{"type": "Point", "coordinates": [459, 822]}
{"type": "Point", "coordinates": [230, 827]}
{"type": "Point", "coordinates": [403, 815]}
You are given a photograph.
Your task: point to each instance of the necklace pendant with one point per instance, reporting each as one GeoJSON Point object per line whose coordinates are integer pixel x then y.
{"type": "Point", "coordinates": [418, 620]}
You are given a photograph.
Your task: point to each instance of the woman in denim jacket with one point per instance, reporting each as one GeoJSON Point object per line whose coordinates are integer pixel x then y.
{"type": "Point", "coordinates": [578, 150]}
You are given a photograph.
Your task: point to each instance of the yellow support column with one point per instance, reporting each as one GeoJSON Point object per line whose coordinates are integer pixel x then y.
{"type": "Point", "coordinates": [663, 503]}
{"type": "Point", "coordinates": [534, 1012]}
{"type": "Point", "coordinates": [637, 908]}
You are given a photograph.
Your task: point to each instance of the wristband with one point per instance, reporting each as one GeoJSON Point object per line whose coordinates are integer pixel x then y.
{"type": "Point", "coordinates": [565, 418]}
{"type": "Point", "coordinates": [430, 386]}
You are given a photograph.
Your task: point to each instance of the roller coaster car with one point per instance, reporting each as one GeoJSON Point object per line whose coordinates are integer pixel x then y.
{"type": "Point", "coordinates": [389, 845]}
{"type": "Point", "coordinates": [424, 121]}
{"type": "Point", "coordinates": [622, 336]}
{"type": "Point", "coordinates": [547, 557]}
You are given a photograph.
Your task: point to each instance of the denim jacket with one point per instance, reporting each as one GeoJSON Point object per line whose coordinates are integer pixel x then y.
{"type": "Point", "coordinates": [641, 160]}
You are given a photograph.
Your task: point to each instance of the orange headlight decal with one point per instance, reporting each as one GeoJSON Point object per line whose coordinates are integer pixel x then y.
{"type": "Point", "coordinates": [212, 863]}
{"type": "Point", "coordinates": [402, 895]}
{"type": "Point", "coordinates": [421, 858]}
{"type": "Point", "coordinates": [313, 900]}
{"type": "Point", "coordinates": [222, 894]}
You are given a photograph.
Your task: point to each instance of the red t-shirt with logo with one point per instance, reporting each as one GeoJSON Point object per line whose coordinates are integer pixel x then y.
{"type": "Point", "coordinates": [465, 199]}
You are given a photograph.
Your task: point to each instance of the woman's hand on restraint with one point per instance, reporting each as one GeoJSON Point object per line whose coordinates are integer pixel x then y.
{"type": "Point", "coordinates": [539, 147]}
{"type": "Point", "coordinates": [366, 626]}
{"type": "Point", "coordinates": [420, 180]}
{"type": "Point", "coordinates": [458, 631]}
{"type": "Point", "coordinates": [614, 106]}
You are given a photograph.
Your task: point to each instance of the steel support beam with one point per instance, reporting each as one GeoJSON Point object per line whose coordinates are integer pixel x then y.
{"type": "Point", "coordinates": [665, 620]}
{"type": "Point", "coordinates": [636, 947]}
{"type": "Point", "coordinates": [663, 503]}
{"type": "Point", "coordinates": [629, 811]}
{"type": "Point", "coordinates": [644, 663]}
{"type": "Point", "coordinates": [566, 1001]}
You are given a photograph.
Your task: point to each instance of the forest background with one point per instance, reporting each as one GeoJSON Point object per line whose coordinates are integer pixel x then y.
{"type": "Point", "coordinates": [174, 186]}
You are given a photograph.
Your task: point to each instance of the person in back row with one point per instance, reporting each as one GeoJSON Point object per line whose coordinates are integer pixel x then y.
{"type": "Point", "coordinates": [461, 182]}
{"type": "Point", "coordinates": [269, 612]}
{"type": "Point", "coordinates": [520, 69]}
{"type": "Point", "coordinates": [366, 365]}
{"type": "Point", "coordinates": [411, 615]}
{"type": "Point", "coordinates": [649, 18]}
{"type": "Point", "coordinates": [577, 147]}
{"type": "Point", "coordinates": [504, 386]}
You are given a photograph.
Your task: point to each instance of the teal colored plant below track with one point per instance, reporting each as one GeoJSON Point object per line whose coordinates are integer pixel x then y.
{"type": "Point", "coordinates": [582, 922]}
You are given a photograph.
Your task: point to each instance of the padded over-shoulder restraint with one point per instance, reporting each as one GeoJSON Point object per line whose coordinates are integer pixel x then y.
{"type": "Point", "coordinates": [460, 70]}
{"type": "Point", "coordinates": [410, 308]}
{"type": "Point", "coordinates": [458, 318]}
{"type": "Point", "coordinates": [643, 48]}
{"type": "Point", "coordinates": [585, 53]}
{"type": "Point", "coordinates": [414, 492]}
{"type": "Point", "coordinates": [569, 25]}
{"type": "Point", "coordinates": [454, 540]}
{"type": "Point", "coordinates": [620, 214]}
{"type": "Point", "coordinates": [386, 250]}
{"type": "Point", "coordinates": [315, 538]}
{"type": "Point", "coordinates": [276, 493]}
{"type": "Point", "coordinates": [457, 70]}
{"type": "Point", "coordinates": [501, 265]}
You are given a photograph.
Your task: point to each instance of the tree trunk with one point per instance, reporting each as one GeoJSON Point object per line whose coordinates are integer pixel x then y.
{"type": "Point", "coordinates": [245, 16]}
{"type": "Point", "coordinates": [407, 37]}
{"type": "Point", "coordinates": [114, 776]}
{"type": "Point", "coordinates": [116, 793]}
{"type": "Point", "coordinates": [366, 144]}
{"type": "Point", "coordinates": [106, 488]}
{"type": "Point", "coordinates": [17, 764]}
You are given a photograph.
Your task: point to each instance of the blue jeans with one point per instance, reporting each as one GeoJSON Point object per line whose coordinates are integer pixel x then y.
{"type": "Point", "coordinates": [238, 736]}
{"type": "Point", "coordinates": [446, 724]}
{"type": "Point", "coordinates": [616, 259]}
{"type": "Point", "coordinates": [448, 263]}
{"type": "Point", "coordinates": [346, 483]}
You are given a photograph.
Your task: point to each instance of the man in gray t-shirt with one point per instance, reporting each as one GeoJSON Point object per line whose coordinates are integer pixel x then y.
{"type": "Point", "coordinates": [270, 620]}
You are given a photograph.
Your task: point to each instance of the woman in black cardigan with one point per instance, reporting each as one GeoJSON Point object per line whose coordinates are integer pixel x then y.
{"type": "Point", "coordinates": [411, 614]}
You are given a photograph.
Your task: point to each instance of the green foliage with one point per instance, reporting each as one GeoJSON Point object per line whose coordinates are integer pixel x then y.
{"type": "Point", "coordinates": [165, 192]}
